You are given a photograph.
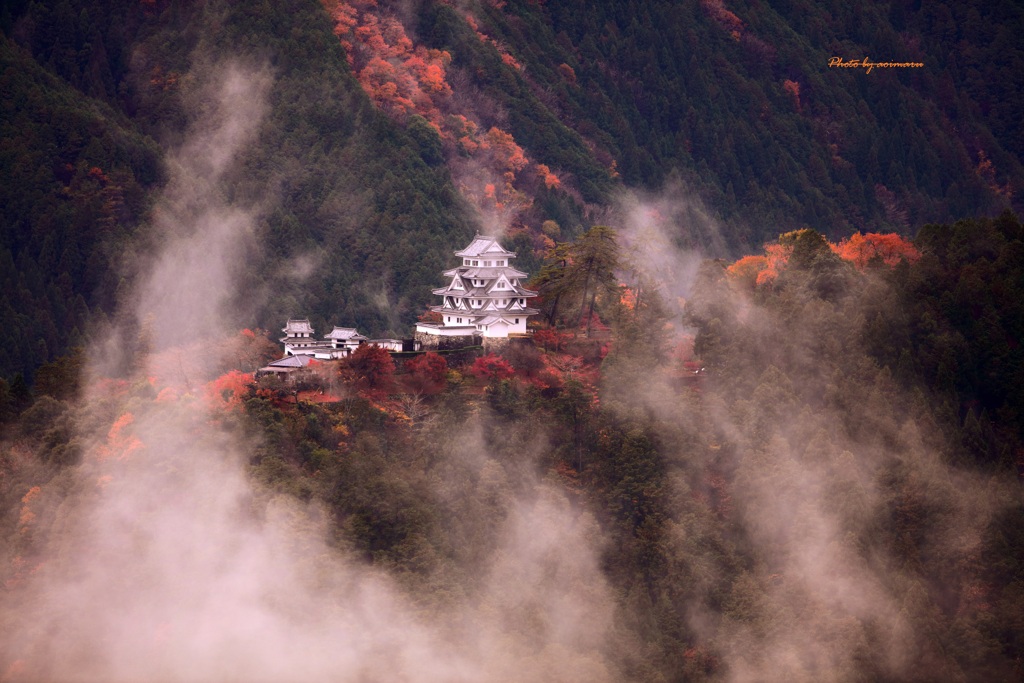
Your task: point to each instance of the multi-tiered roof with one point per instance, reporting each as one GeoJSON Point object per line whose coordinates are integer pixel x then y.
{"type": "Point", "coordinates": [485, 294]}
{"type": "Point", "coordinates": [298, 334]}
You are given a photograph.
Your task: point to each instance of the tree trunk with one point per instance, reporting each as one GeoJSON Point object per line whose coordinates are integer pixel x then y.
{"type": "Point", "coordinates": [590, 315]}
{"type": "Point", "coordinates": [586, 286]}
{"type": "Point", "coordinates": [554, 310]}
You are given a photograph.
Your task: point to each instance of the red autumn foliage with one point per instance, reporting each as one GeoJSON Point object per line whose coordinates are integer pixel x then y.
{"type": "Point", "coordinates": [249, 350]}
{"type": "Point", "coordinates": [793, 88]}
{"type": "Point", "coordinates": [567, 72]}
{"type": "Point", "coordinates": [430, 317]}
{"type": "Point", "coordinates": [509, 60]}
{"type": "Point", "coordinates": [627, 297]}
{"type": "Point", "coordinates": [594, 323]}
{"type": "Point", "coordinates": [428, 373]}
{"type": "Point", "coordinates": [400, 77]}
{"type": "Point", "coordinates": [549, 339]}
{"type": "Point", "coordinates": [26, 516]}
{"type": "Point", "coordinates": [96, 173]}
{"type": "Point", "coordinates": [729, 21]}
{"type": "Point", "coordinates": [403, 78]}
{"type": "Point", "coordinates": [506, 58]}
{"type": "Point", "coordinates": [121, 443]}
{"type": "Point", "coordinates": [492, 368]}
{"type": "Point", "coordinates": [551, 181]}
{"type": "Point", "coordinates": [167, 395]}
{"type": "Point", "coordinates": [372, 367]}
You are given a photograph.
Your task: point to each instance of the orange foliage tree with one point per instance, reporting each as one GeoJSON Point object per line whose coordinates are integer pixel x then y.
{"type": "Point", "coordinates": [889, 248]}
{"type": "Point", "coordinates": [399, 76]}
{"type": "Point", "coordinates": [858, 249]}
{"type": "Point", "coordinates": [227, 391]}
{"type": "Point", "coordinates": [403, 78]}
{"type": "Point", "coordinates": [748, 270]}
{"type": "Point", "coordinates": [776, 256]}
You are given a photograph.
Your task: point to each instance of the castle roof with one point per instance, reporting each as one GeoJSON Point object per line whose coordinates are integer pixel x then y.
{"type": "Point", "coordinates": [485, 292]}
{"type": "Point", "coordinates": [296, 326]}
{"type": "Point", "coordinates": [291, 362]}
{"type": "Point", "coordinates": [344, 333]}
{"type": "Point", "coordinates": [484, 273]}
{"type": "Point", "coordinates": [483, 245]}
{"type": "Point", "coordinates": [489, 312]}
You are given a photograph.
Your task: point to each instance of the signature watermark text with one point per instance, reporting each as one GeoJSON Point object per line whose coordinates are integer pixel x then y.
{"type": "Point", "coordinates": [868, 65]}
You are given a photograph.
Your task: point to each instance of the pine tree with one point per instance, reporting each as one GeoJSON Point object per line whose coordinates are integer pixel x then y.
{"type": "Point", "coordinates": [595, 256]}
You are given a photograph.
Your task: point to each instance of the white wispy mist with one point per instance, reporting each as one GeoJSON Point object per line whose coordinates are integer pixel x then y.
{"type": "Point", "coordinates": [167, 563]}
{"type": "Point", "coordinates": [204, 239]}
{"type": "Point", "coordinates": [820, 602]}
{"type": "Point", "coordinates": [667, 235]}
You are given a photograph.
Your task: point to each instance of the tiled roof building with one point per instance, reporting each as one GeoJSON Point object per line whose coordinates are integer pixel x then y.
{"type": "Point", "coordinates": [484, 296]}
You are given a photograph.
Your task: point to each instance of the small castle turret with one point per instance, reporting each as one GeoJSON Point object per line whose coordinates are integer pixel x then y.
{"type": "Point", "coordinates": [298, 334]}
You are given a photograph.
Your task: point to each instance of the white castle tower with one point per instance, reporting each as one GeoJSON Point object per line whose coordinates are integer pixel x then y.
{"type": "Point", "coordinates": [485, 295]}
{"type": "Point", "coordinates": [298, 337]}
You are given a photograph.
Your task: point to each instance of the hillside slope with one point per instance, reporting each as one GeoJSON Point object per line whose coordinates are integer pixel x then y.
{"type": "Point", "coordinates": [396, 129]}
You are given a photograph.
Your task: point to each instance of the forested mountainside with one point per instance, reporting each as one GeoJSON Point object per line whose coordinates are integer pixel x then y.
{"type": "Point", "coordinates": [819, 485]}
{"type": "Point", "coordinates": [768, 424]}
{"type": "Point", "coordinates": [395, 129]}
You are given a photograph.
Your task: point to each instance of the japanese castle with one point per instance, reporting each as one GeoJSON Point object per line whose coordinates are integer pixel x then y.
{"type": "Point", "coordinates": [483, 299]}
{"type": "Point", "coordinates": [485, 296]}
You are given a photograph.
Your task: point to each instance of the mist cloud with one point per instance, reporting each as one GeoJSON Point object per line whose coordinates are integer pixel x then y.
{"type": "Point", "coordinates": [169, 564]}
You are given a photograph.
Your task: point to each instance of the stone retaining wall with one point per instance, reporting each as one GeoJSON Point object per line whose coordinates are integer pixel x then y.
{"type": "Point", "coordinates": [436, 342]}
